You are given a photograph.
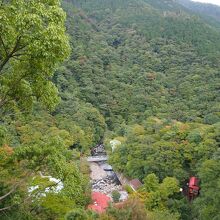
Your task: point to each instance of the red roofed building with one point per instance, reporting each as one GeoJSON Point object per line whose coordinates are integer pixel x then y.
{"type": "Point", "coordinates": [194, 188]}
{"type": "Point", "coordinates": [100, 202]}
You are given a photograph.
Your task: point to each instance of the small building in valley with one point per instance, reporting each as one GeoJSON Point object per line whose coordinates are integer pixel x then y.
{"type": "Point", "coordinates": [135, 184]}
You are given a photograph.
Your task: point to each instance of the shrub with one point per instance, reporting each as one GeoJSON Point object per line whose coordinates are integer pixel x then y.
{"type": "Point", "coordinates": [116, 196]}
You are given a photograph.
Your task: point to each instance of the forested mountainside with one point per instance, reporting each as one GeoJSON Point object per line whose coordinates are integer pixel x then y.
{"type": "Point", "coordinates": [144, 72]}
{"type": "Point", "coordinates": [151, 62]}
{"type": "Point", "coordinates": [204, 9]}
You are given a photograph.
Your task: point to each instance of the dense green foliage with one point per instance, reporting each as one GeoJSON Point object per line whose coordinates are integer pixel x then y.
{"type": "Point", "coordinates": [145, 72]}
{"type": "Point", "coordinates": [170, 149]}
{"type": "Point", "coordinates": [165, 148]}
{"type": "Point", "coordinates": [138, 59]}
{"type": "Point", "coordinates": [33, 41]}
{"type": "Point", "coordinates": [128, 69]}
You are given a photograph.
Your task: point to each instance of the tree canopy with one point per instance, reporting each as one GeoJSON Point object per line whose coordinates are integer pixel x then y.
{"type": "Point", "coordinates": [32, 43]}
{"type": "Point", "coordinates": [145, 72]}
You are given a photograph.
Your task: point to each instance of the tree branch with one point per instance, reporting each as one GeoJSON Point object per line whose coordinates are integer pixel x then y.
{"type": "Point", "coordinates": [3, 44]}
{"type": "Point", "coordinates": [18, 54]}
{"type": "Point", "coordinates": [16, 186]}
{"type": "Point", "coordinates": [9, 193]}
{"type": "Point", "coordinates": [2, 102]}
{"type": "Point", "coordinates": [6, 208]}
{"type": "Point", "coordinates": [10, 55]}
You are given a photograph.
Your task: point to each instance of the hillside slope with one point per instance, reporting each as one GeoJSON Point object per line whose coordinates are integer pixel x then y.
{"type": "Point", "coordinates": [213, 11]}
{"type": "Point", "coordinates": [143, 72]}
{"type": "Point", "coordinates": [133, 60]}
{"type": "Point", "coordinates": [151, 68]}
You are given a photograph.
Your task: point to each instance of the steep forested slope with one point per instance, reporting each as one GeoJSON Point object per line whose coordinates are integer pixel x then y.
{"type": "Point", "coordinates": [151, 61]}
{"type": "Point", "coordinates": [145, 72]}
{"type": "Point", "coordinates": [136, 59]}
{"type": "Point", "coordinates": [203, 9]}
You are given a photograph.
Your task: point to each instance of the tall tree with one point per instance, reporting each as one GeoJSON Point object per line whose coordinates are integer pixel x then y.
{"type": "Point", "coordinates": [32, 43]}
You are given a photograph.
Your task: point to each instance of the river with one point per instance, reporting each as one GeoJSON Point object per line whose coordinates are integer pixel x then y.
{"type": "Point", "coordinates": [103, 178]}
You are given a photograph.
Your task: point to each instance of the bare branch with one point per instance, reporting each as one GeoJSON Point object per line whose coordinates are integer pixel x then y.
{"type": "Point", "coordinates": [9, 193]}
{"type": "Point", "coordinates": [6, 208]}
{"type": "Point", "coordinates": [16, 185]}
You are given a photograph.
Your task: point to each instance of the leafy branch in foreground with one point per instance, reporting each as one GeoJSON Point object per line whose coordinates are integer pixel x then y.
{"type": "Point", "coordinates": [32, 43]}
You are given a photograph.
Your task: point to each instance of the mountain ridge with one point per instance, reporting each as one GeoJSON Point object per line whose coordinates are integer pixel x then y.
{"type": "Point", "coordinates": [203, 9]}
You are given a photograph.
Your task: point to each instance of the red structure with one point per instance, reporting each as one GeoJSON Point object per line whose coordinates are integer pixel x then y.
{"type": "Point", "coordinates": [100, 202]}
{"type": "Point", "coordinates": [193, 188]}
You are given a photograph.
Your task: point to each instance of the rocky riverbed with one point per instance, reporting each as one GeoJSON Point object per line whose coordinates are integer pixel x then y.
{"type": "Point", "coordinates": [103, 179]}
{"type": "Point", "coordinates": [105, 185]}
